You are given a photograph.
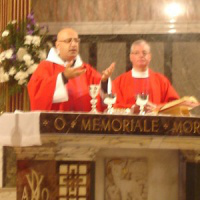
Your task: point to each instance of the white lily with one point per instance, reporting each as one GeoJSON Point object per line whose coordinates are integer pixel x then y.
{"type": "Point", "coordinates": [5, 33]}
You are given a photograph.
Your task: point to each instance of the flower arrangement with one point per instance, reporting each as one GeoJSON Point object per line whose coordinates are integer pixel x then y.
{"type": "Point", "coordinates": [22, 46]}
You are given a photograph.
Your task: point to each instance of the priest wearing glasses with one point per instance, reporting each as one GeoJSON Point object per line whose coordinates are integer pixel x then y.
{"type": "Point", "coordinates": [142, 82]}
{"type": "Point", "coordinates": [61, 82]}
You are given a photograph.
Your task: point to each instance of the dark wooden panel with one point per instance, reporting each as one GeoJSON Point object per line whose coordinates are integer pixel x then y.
{"type": "Point", "coordinates": [118, 124]}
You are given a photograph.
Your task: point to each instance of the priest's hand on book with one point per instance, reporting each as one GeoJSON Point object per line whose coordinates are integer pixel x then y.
{"type": "Point", "coordinates": [179, 107]}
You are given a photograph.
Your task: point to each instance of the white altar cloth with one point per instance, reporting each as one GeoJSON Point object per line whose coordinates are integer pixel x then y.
{"type": "Point", "coordinates": [20, 129]}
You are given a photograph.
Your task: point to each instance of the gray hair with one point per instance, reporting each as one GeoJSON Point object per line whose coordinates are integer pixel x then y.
{"type": "Point", "coordinates": [139, 42]}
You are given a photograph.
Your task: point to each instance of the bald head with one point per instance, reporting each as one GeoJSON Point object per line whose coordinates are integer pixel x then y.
{"type": "Point", "coordinates": [67, 44]}
{"type": "Point", "coordinates": [63, 33]}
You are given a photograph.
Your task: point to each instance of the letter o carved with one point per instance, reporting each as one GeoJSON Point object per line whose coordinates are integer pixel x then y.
{"type": "Point", "coordinates": [45, 194]}
{"type": "Point", "coordinates": [59, 123]}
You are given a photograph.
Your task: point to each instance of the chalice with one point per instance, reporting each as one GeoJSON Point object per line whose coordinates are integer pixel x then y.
{"type": "Point", "coordinates": [94, 91]}
{"type": "Point", "coordinates": [141, 101]}
{"type": "Point", "coordinates": [109, 101]}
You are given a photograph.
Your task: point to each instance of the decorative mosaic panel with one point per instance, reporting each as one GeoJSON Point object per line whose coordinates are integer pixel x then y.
{"type": "Point", "coordinates": [54, 180]}
{"type": "Point", "coordinates": [36, 180]}
{"type": "Point", "coordinates": [126, 179]}
{"type": "Point", "coordinates": [74, 181]}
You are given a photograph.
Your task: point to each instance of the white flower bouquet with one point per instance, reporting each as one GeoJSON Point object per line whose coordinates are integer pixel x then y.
{"type": "Point", "coordinates": [22, 46]}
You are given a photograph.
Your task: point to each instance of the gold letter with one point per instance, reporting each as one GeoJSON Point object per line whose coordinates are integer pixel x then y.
{"type": "Point", "coordinates": [187, 129]}
{"type": "Point", "coordinates": [113, 125]}
{"type": "Point", "coordinates": [126, 125]}
{"type": "Point", "coordinates": [96, 124]}
{"type": "Point", "coordinates": [196, 127]}
{"type": "Point", "coordinates": [177, 128]}
{"type": "Point", "coordinates": [35, 184]}
{"type": "Point", "coordinates": [106, 126]}
{"type": "Point", "coordinates": [145, 126]}
{"type": "Point", "coordinates": [132, 125]}
{"type": "Point", "coordinates": [138, 126]}
{"type": "Point", "coordinates": [59, 123]}
{"type": "Point", "coordinates": [25, 194]}
{"type": "Point", "coordinates": [155, 125]}
{"type": "Point", "coordinates": [86, 126]}
{"type": "Point", "coordinates": [45, 192]}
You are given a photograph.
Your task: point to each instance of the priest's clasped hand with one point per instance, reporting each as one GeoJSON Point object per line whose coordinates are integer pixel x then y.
{"type": "Point", "coordinates": [107, 72]}
{"type": "Point", "coordinates": [148, 108]}
{"type": "Point", "coordinates": [72, 72]}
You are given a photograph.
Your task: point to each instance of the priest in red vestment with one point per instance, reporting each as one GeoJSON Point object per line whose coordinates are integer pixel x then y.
{"type": "Point", "coordinates": [61, 82]}
{"type": "Point", "coordinates": [141, 80]}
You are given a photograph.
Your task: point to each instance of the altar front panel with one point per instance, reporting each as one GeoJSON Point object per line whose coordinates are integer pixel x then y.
{"type": "Point", "coordinates": [128, 156]}
{"type": "Point", "coordinates": [118, 173]}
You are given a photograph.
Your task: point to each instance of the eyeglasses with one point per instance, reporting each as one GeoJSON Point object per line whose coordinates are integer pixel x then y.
{"type": "Point", "coordinates": [144, 53]}
{"type": "Point", "coordinates": [69, 40]}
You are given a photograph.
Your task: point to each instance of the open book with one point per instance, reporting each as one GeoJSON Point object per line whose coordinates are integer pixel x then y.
{"type": "Point", "coordinates": [179, 107]}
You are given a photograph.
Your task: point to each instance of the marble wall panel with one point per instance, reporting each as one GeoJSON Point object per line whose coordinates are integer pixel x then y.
{"type": "Point", "coordinates": [84, 52]}
{"type": "Point", "coordinates": [157, 51]}
{"type": "Point", "coordinates": [126, 178]}
{"type": "Point", "coordinates": [39, 6]}
{"type": "Point", "coordinates": [108, 52]}
{"type": "Point", "coordinates": [8, 194]}
{"type": "Point", "coordinates": [162, 171]}
{"type": "Point", "coordinates": [113, 10]}
{"type": "Point", "coordinates": [5, 193]}
{"type": "Point", "coordinates": [117, 16]}
{"type": "Point", "coordinates": [186, 68]}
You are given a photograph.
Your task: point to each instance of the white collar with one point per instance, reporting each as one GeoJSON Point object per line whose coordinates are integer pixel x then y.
{"type": "Point", "coordinates": [55, 58]}
{"type": "Point", "coordinates": [136, 74]}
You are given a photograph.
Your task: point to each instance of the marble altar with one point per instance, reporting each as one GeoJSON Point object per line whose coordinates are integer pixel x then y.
{"type": "Point", "coordinates": [102, 157]}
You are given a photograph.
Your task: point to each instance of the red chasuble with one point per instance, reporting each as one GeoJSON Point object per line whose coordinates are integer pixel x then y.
{"type": "Point", "coordinates": [42, 85]}
{"type": "Point", "coordinates": [157, 86]}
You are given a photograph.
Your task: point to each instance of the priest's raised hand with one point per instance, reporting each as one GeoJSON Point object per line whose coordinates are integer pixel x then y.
{"type": "Point", "coordinates": [72, 72]}
{"type": "Point", "coordinates": [107, 72]}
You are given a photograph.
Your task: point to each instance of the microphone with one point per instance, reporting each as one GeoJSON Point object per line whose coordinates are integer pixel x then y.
{"type": "Point", "coordinates": [73, 63]}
